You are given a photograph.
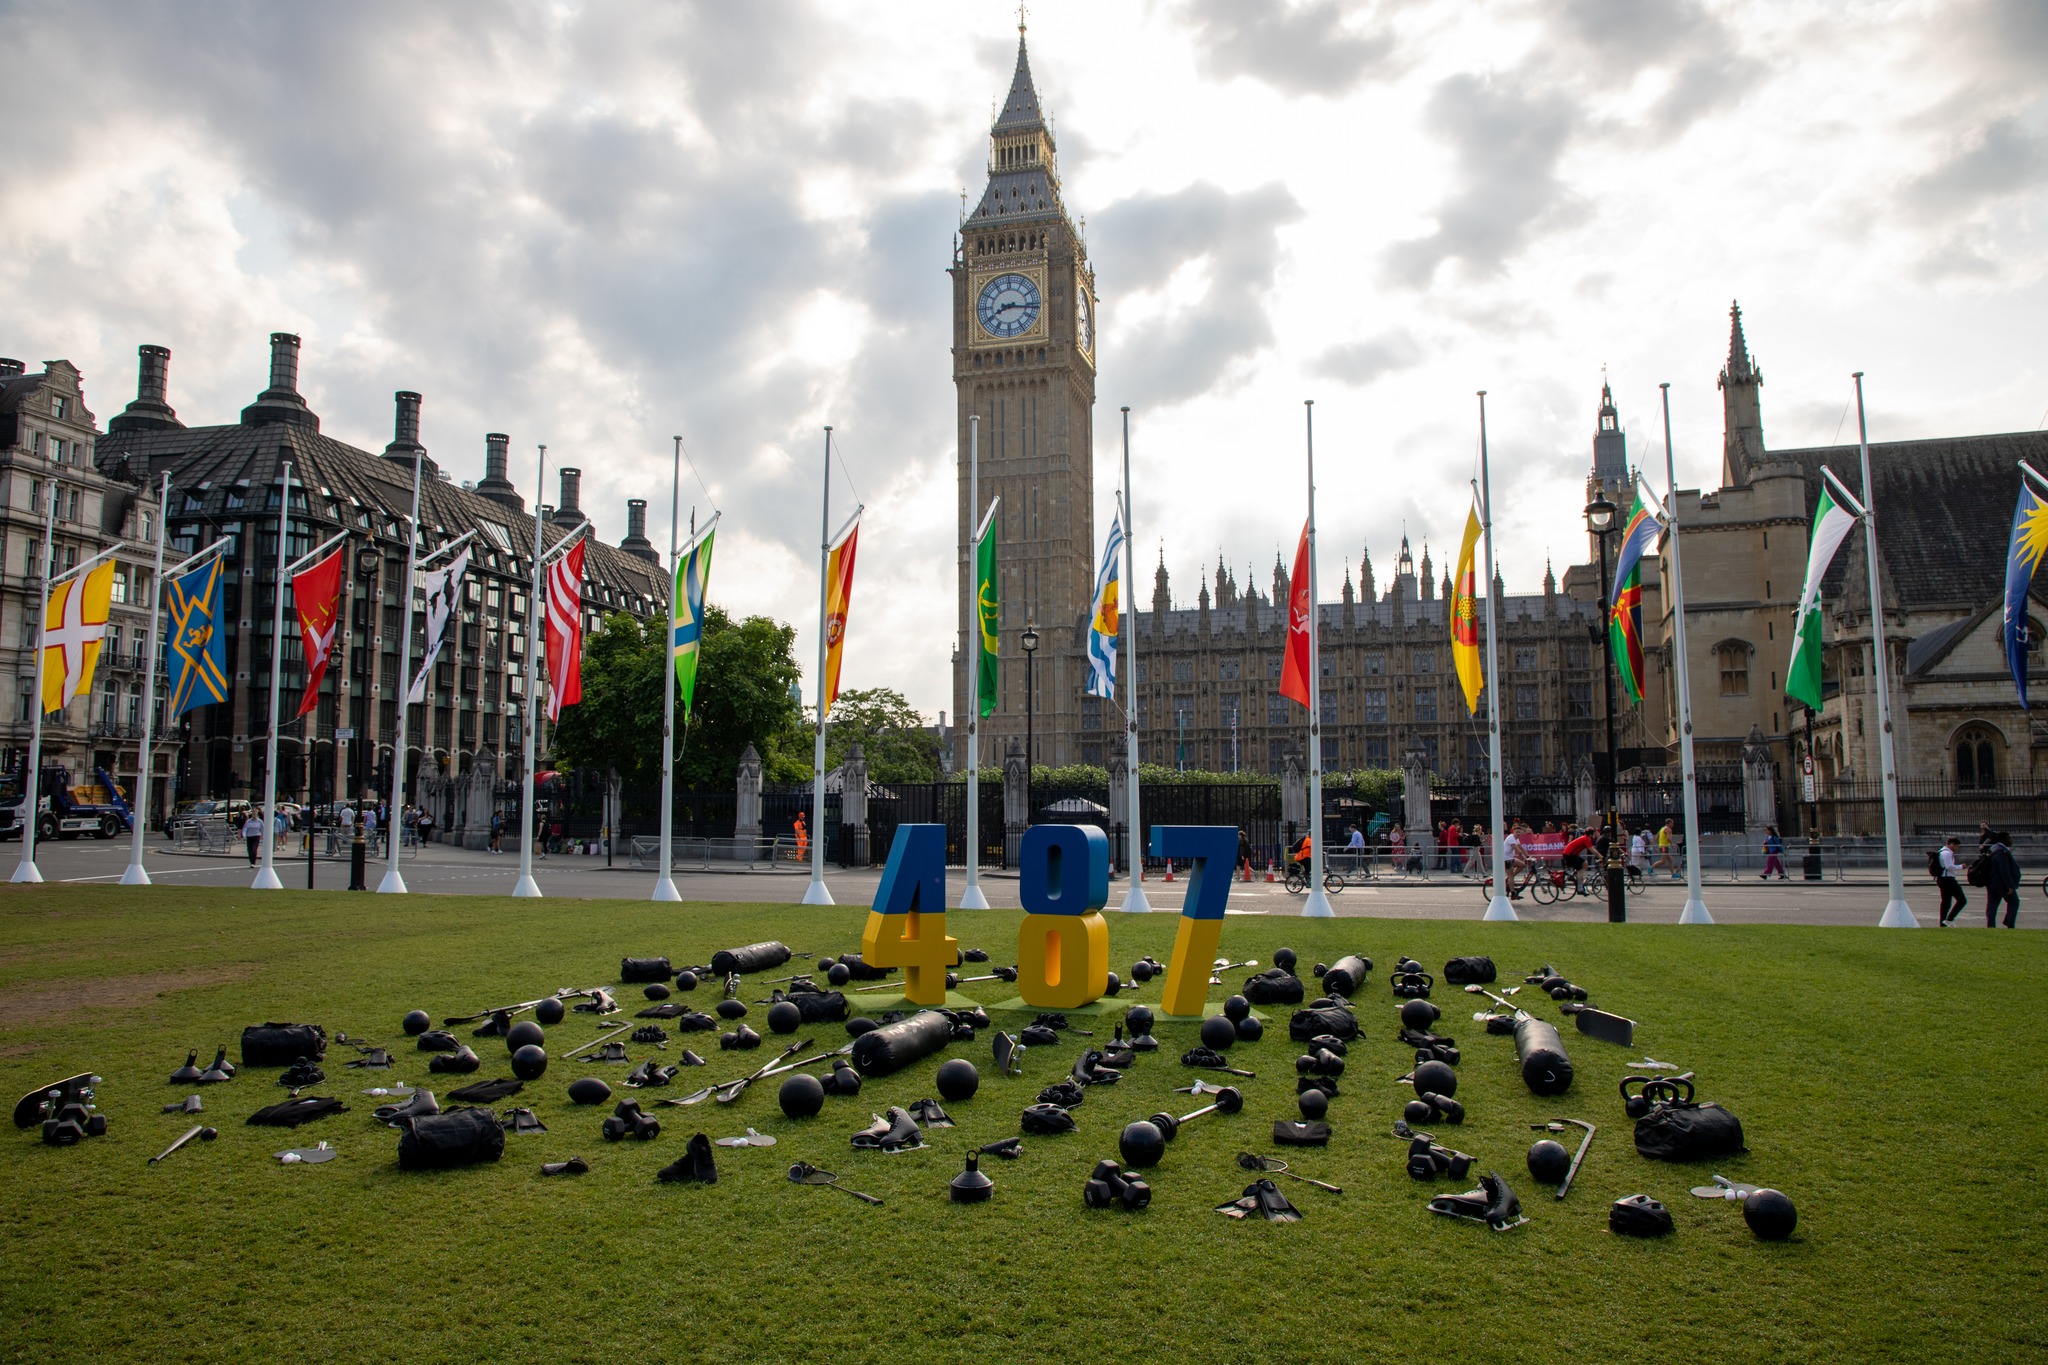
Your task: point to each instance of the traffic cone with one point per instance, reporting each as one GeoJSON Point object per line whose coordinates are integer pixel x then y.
{"type": "Point", "coordinates": [1169, 869]}
{"type": "Point", "coordinates": [1269, 871]}
{"type": "Point", "coordinates": [1247, 869]}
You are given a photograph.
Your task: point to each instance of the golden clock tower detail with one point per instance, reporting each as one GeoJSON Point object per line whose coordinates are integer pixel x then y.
{"type": "Point", "coordinates": [1024, 341]}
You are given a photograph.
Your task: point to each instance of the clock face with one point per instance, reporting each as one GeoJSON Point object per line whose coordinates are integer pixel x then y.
{"type": "Point", "coordinates": [1084, 320]}
{"type": "Point", "coordinates": [1008, 306]}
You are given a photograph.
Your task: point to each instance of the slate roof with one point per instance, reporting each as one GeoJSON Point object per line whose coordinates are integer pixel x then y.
{"type": "Point", "coordinates": [1023, 191]}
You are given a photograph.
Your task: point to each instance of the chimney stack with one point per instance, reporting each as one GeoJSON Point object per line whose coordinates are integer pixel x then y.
{"type": "Point", "coordinates": [10, 367]}
{"type": "Point", "coordinates": [571, 510]}
{"type": "Point", "coordinates": [636, 541]}
{"type": "Point", "coordinates": [495, 485]}
{"type": "Point", "coordinates": [151, 410]}
{"type": "Point", "coordinates": [405, 444]}
{"type": "Point", "coordinates": [281, 401]}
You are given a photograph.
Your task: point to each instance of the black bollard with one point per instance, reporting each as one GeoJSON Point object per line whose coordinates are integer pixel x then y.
{"type": "Point", "coordinates": [355, 859]}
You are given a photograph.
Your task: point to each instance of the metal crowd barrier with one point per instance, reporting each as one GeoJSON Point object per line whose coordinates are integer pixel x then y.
{"type": "Point", "coordinates": [718, 855]}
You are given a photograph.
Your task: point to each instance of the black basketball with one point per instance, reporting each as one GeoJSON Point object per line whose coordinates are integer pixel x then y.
{"type": "Point", "coordinates": [958, 1080]}
{"type": "Point", "coordinates": [524, 1033]}
{"type": "Point", "coordinates": [1218, 1032]}
{"type": "Point", "coordinates": [1549, 1161]}
{"type": "Point", "coordinates": [416, 1022]}
{"type": "Point", "coordinates": [801, 1096]}
{"type": "Point", "coordinates": [784, 1017]}
{"type": "Point", "coordinates": [550, 1012]}
{"type": "Point", "coordinates": [1237, 1008]}
{"type": "Point", "coordinates": [838, 974]}
{"type": "Point", "coordinates": [1435, 1078]}
{"type": "Point", "coordinates": [1141, 1143]}
{"type": "Point", "coordinates": [1250, 1030]}
{"type": "Point", "coordinates": [1770, 1215]}
{"type": "Point", "coordinates": [686, 980]}
{"type": "Point", "coordinates": [1314, 1104]}
{"type": "Point", "coordinates": [530, 1063]}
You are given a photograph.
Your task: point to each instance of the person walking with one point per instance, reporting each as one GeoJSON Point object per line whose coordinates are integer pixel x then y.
{"type": "Point", "coordinates": [803, 836]}
{"type": "Point", "coordinates": [370, 827]}
{"type": "Point", "coordinates": [2001, 885]}
{"type": "Point", "coordinates": [1948, 874]}
{"type": "Point", "coordinates": [252, 835]}
{"type": "Point", "coordinates": [497, 831]}
{"type": "Point", "coordinates": [1774, 854]}
{"type": "Point", "coordinates": [1664, 846]}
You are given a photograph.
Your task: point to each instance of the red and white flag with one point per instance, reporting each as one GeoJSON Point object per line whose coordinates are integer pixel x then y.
{"type": "Point", "coordinates": [316, 597]}
{"type": "Point", "coordinates": [565, 631]}
{"type": "Point", "coordinates": [1294, 679]}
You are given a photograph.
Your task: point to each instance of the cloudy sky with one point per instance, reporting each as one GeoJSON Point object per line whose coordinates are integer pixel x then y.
{"type": "Point", "coordinates": [601, 224]}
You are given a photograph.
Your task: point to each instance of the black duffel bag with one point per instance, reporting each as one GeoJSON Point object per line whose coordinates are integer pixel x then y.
{"type": "Point", "coordinates": [1469, 971]}
{"type": "Point", "coordinates": [282, 1044]}
{"type": "Point", "coordinates": [1275, 987]}
{"type": "Point", "coordinates": [1334, 1020]}
{"type": "Point", "coordinates": [1688, 1130]}
{"type": "Point", "coordinates": [857, 970]}
{"type": "Point", "coordinates": [816, 1007]}
{"type": "Point", "coordinates": [633, 969]}
{"type": "Point", "coordinates": [755, 957]}
{"type": "Point", "coordinates": [453, 1137]}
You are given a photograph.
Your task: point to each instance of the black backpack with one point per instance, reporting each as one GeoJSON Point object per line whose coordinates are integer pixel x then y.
{"type": "Point", "coordinates": [1980, 870]}
{"type": "Point", "coordinates": [1934, 863]}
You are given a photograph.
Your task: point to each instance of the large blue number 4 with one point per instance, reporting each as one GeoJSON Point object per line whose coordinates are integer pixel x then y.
{"type": "Point", "coordinates": [907, 926]}
{"type": "Point", "coordinates": [1212, 851]}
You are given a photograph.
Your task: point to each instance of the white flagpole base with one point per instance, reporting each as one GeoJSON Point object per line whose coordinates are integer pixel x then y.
{"type": "Point", "coordinates": [665, 890]}
{"type": "Point", "coordinates": [971, 897]}
{"type": "Point", "coordinates": [25, 871]}
{"type": "Point", "coordinates": [135, 876]}
{"type": "Point", "coordinates": [1134, 900]}
{"type": "Point", "coordinates": [1695, 912]}
{"type": "Point", "coordinates": [1897, 916]}
{"type": "Point", "coordinates": [816, 894]}
{"type": "Point", "coordinates": [1318, 905]}
{"type": "Point", "coordinates": [526, 889]}
{"type": "Point", "coordinates": [266, 880]}
{"type": "Point", "coordinates": [392, 885]}
{"type": "Point", "coordinates": [1499, 909]}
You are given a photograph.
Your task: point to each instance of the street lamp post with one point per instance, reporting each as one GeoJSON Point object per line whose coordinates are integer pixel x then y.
{"type": "Point", "coordinates": [1030, 642]}
{"type": "Point", "coordinates": [1600, 520]}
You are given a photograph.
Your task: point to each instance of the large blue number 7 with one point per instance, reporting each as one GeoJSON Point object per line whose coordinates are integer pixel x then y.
{"type": "Point", "coordinates": [1212, 849]}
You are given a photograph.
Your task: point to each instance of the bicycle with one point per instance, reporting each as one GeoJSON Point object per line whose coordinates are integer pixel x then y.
{"type": "Point", "coordinates": [1297, 880]}
{"type": "Point", "coordinates": [1552, 884]}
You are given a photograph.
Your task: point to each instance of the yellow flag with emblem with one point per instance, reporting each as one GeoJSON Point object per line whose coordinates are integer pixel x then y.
{"type": "Point", "coordinates": [74, 624]}
{"type": "Point", "coordinates": [1464, 613]}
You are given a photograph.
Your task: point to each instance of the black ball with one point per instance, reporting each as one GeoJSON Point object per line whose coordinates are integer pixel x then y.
{"type": "Point", "coordinates": [529, 1062]}
{"type": "Point", "coordinates": [801, 1096]}
{"type": "Point", "coordinates": [1549, 1161]}
{"type": "Point", "coordinates": [1419, 1111]}
{"type": "Point", "coordinates": [826, 964]}
{"type": "Point", "coordinates": [589, 1090]}
{"type": "Point", "coordinates": [1218, 1032]}
{"type": "Point", "coordinates": [732, 1009]}
{"type": "Point", "coordinates": [1141, 971]}
{"type": "Point", "coordinates": [1770, 1215]}
{"type": "Point", "coordinates": [1113, 984]}
{"type": "Point", "coordinates": [785, 1017]}
{"type": "Point", "coordinates": [523, 1033]}
{"type": "Point", "coordinates": [416, 1022]}
{"type": "Point", "coordinates": [1319, 970]}
{"type": "Point", "coordinates": [858, 1025]}
{"type": "Point", "coordinates": [655, 990]}
{"type": "Point", "coordinates": [1419, 1015]}
{"type": "Point", "coordinates": [1141, 1143]}
{"type": "Point", "coordinates": [1314, 1104]}
{"type": "Point", "coordinates": [1284, 959]}
{"type": "Point", "coordinates": [958, 1080]}
{"type": "Point", "coordinates": [208, 1134]}
{"type": "Point", "coordinates": [1138, 1019]}
{"type": "Point", "coordinates": [1237, 1009]}
{"type": "Point", "coordinates": [1436, 1078]}
{"type": "Point", "coordinates": [1250, 1030]}
{"type": "Point", "coordinates": [686, 980]}
{"type": "Point", "coordinates": [550, 1012]}
{"type": "Point", "coordinates": [838, 974]}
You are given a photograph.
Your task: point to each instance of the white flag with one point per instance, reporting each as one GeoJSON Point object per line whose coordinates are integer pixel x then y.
{"type": "Point", "coordinates": [444, 590]}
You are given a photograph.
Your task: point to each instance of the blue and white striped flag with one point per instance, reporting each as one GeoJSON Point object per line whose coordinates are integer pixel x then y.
{"type": "Point", "coordinates": [1103, 618]}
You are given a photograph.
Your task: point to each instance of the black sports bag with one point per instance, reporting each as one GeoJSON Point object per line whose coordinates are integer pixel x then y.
{"type": "Point", "coordinates": [282, 1044]}
{"type": "Point", "coordinates": [454, 1137]}
{"type": "Point", "coordinates": [1275, 987]}
{"type": "Point", "coordinates": [1334, 1020]}
{"type": "Point", "coordinates": [644, 969]}
{"type": "Point", "coordinates": [1681, 1130]}
{"type": "Point", "coordinates": [1469, 971]}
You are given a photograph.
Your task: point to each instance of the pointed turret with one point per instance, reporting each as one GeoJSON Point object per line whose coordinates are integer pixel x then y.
{"type": "Point", "coordinates": [1023, 170]}
{"type": "Point", "coordinates": [1366, 591]}
{"type": "Point", "coordinates": [1742, 417]}
{"type": "Point", "coordinates": [1428, 582]}
{"type": "Point", "coordinates": [1610, 444]}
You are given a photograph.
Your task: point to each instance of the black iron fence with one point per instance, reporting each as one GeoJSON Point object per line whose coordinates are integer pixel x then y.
{"type": "Point", "coordinates": [1928, 806]}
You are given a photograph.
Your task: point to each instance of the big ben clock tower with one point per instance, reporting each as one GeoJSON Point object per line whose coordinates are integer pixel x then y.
{"type": "Point", "coordinates": [1024, 344]}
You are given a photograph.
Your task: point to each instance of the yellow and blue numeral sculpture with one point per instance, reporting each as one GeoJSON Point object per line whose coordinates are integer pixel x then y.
{"type": "Point", "coordinates": [1212, 853]}
{"type": "Point", "coordinates": [1063, 945]}
{"type": "Point", "coordinates": [907, 925]}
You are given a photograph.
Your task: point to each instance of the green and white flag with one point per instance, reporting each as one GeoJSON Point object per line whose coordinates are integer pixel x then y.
{"type": "Point", "coordinates": [987, 612]}
{"type": "Point", "coordinates": [1831, 523]}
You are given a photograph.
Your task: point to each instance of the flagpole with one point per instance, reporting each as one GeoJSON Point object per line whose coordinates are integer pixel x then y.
{"type": "Point", "coordinates": [665, 882]}
{"type": "Point", "coordinates": [526, 887]}
{"type": "Point", "coordinates": [1896, 913]}
{"type": "Point", "coordinates": [1498, 908]}
{"type": "Point", "coordinates": [1318, 904]}
{"type": "Point", "coordinates": [394, 823]}
{"type": "Point", "coordinates": [1695, 911]}
{"type": "Point", "coordinates": [32, 774]}
{"type": "Point", "coordinates": [139, 810]}
{"type": "Point", "coordinates": [815, 893]}
{"type": "Point", "coordinates": [266, 876]}
{"type": "Point", "coordinates": [971, 895]}
{"type": "Point", "coordinates": [1127, 626]}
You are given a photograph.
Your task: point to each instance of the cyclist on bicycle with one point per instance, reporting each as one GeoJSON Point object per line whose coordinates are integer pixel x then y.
{"type": "Point", "coordinates": [1300, 855]}
{"type": "Point", "coordinates": [1521, 868]}
{"type": "Point", "coordinates": [1575, 849]}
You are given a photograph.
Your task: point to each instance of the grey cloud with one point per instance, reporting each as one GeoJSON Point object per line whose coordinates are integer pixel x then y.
{"type": "Point", "coordinates": [1138, 243]}
{"type": "Point", "coordinates": [1306, 47]}
{"type": "Point", "coordinates": [1361, 362]}
{"type": "Point", "coordinates": [1507, 138]}
{"type": "Point", "coordinates": [2006, 157]}
{"type": "Point", "coordinates": [1709, 70]}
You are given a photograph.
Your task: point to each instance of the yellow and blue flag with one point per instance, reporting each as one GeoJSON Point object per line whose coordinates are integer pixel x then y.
{"type": "Point", "coordinates": [1104, 619]}
{"type": "Point", "coordinates": [2029, 541]}
{"type": "Point", "coordinates": [686, 635]}
{"type": "Point", "coordinates": [195, 653]}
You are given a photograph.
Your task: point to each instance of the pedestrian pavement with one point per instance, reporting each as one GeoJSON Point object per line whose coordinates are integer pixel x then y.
{"type": "Point", "coordinates": [446, 869]}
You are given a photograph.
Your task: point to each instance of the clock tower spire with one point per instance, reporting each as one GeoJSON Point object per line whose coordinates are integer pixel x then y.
{"type": "Point", "coordinates": [1023, 355]}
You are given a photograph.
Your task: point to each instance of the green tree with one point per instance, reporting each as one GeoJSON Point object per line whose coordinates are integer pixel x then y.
{"type": "Point", "coordinates": [891, 735]}
{"type": "Point", "coordinates": [743, 697]}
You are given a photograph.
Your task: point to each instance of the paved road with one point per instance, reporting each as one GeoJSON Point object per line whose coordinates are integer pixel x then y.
{"type": "Point", "coordinates": [457, 871]}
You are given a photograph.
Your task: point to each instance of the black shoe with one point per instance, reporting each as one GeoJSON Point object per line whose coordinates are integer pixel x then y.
{"type": "Point", "coordinates": [694, 1164]}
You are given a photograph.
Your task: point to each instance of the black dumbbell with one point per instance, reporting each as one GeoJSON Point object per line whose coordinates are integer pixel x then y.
{"type": "Point", "coordinates": [1228, 1100]}
{"type": "Point", "coordinates": [1427, 1160]}
{"type": "Point", "coordinates": [1109, 1185]}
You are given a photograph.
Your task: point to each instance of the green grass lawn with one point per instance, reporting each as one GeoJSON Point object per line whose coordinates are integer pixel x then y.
{"type": "Point", "coordinates": [1889, 1082]}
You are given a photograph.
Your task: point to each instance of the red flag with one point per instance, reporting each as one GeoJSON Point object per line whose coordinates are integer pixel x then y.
{"type": "Point", "coordinates": [316, 596]}
{"type": "Point", "coordinates": [838, 597]}
{"type": "Point", "coordinates": [565, 631]}
{"type": "Point", "coordinates": [1294, 679]}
